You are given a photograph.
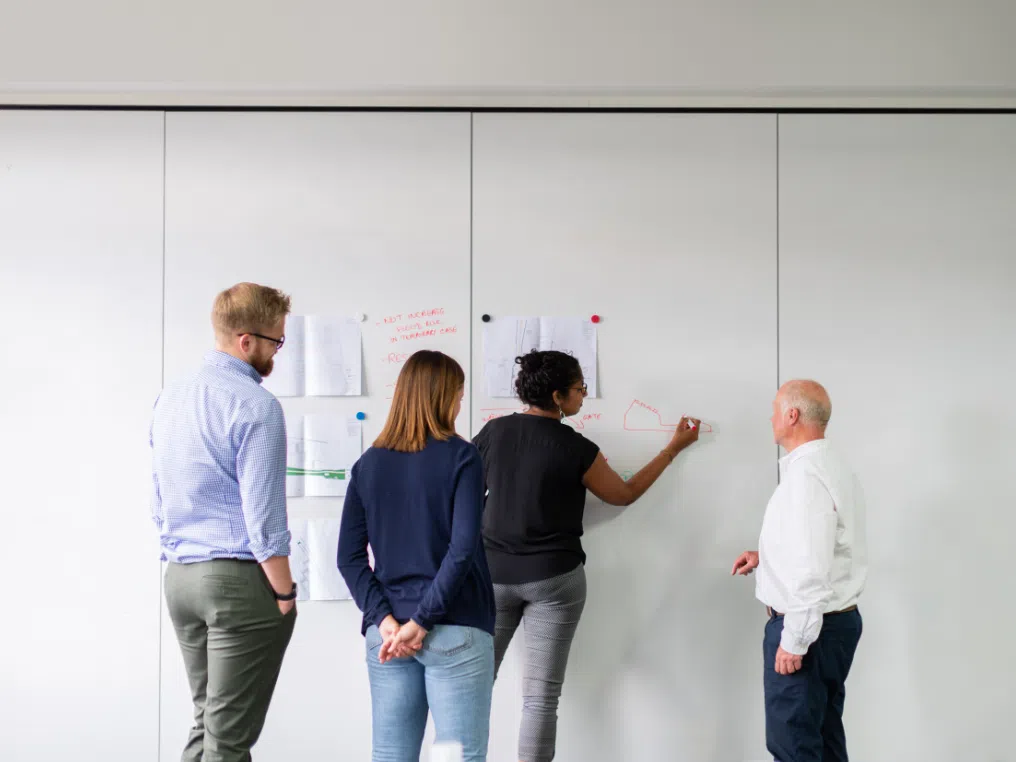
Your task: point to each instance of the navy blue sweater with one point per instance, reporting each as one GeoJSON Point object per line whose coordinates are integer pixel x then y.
{"type": "Point", "coordinates": [422, 514]}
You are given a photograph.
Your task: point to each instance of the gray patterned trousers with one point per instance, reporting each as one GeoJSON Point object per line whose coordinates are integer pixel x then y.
{"type": "Point", "coordinates": [550, 611]}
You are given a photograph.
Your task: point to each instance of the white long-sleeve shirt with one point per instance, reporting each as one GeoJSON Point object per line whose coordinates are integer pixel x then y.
{"type": "Point", "coordinates": [813, 557]}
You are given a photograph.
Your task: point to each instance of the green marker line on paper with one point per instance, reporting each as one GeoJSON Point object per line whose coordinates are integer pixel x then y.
{"type": "Point", "coordinates": [327, 474]}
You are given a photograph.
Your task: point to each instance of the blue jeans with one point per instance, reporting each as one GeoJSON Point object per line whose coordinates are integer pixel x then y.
{"type": "Point", "coordinates": [451, 676]}
{"type": "Point", "coordinates": [804, 711]}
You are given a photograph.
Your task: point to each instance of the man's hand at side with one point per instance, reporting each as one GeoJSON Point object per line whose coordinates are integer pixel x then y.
{"type": "Point", "coordinates": [787, 663]}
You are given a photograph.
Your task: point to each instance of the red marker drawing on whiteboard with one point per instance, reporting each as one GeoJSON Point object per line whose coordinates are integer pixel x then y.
{"type": "Point", "coordinates": [643, 417]}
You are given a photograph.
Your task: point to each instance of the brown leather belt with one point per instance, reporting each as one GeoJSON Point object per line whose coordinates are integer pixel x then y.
{"type": "Point", "coordinates": [771, 612]}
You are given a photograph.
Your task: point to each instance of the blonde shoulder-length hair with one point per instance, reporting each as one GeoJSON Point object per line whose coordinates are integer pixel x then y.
{"type": "Point", "coordinates": [423, 406]}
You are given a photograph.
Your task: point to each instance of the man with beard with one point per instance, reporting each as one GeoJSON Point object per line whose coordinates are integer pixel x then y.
{"type": "Point", "coordinates": [218, 443]}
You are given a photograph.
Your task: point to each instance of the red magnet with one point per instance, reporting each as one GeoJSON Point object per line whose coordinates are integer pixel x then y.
{"type": "Point", "coordinates": [595, 318]}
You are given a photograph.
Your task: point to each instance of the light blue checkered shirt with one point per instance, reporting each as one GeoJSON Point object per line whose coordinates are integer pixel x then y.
{"type": "Point", "coordinates": [219, 466]}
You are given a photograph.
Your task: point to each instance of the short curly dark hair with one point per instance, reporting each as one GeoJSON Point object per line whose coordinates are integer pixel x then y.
{"type": "Point", "coordinates": [543, 373]}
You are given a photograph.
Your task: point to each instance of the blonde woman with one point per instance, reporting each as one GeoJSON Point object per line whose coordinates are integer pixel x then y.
{"type": "Point", "coordinates": [416, 496]}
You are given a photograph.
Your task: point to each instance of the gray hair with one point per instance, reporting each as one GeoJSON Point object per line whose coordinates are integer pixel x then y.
{"type": "Point", "coordinates": [810, 400]}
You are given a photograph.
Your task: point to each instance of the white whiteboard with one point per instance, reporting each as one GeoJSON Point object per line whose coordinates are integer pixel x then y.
{"type": "Point", "coordinates": [896, 283]}
{"type": "Point", "coordinates": [81, 266]}
{"type": "Point", "coordinates": [897, 289]}
{"type": "Point", "coordinates": [665, 226]}
{"type": "Point", "coordinates": [348, 213]}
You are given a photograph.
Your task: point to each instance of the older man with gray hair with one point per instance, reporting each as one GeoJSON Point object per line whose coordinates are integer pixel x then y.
{"type": "Point", "coordinates": [812, 564]}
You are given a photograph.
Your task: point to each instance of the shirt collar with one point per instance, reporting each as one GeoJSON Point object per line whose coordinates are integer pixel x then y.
{"type": "Point", "coordinates": [220, 359]}
{"type": "Point", "coordinates": [815, 445]}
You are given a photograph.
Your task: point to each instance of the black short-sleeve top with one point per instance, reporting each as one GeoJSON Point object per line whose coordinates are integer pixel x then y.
{"type": "Point", "coordinates": [532, 522]}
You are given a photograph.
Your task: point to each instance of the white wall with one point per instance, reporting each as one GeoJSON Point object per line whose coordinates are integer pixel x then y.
{"type": "Point", "coordinates": [81, 268]}
{"type": "Point", "coordinates": [895, 288]}
{"type": "Point", "coordinates": [897, 284]}
{"type": "Point", "coordinates": [448, 51]}
{"type": "Point", "coordinates": [662, 225]}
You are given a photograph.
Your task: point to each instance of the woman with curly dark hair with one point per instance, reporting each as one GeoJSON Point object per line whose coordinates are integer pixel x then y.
{"type": "Point", "coordinates": [536, 472]}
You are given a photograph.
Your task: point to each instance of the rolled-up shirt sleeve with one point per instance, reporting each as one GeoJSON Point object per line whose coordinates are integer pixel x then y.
{"type": "Point", "coordinates": [155, 502]}
{"type": "Point", "coordinates": [808, 540]}
{"type": "Point", "coordinates": [261, 473]}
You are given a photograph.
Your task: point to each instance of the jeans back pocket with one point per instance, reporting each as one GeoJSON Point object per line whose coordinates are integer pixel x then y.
{"type": "Point", "coordinates": [447, 639]}
{"type": "Point", "coordinates": [372, 638]}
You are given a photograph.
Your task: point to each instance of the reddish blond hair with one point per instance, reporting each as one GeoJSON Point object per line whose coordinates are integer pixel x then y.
{"type": "Point", "coordinates": [424, 403]}
{"type": "Point", "coordinates": [248, 307]}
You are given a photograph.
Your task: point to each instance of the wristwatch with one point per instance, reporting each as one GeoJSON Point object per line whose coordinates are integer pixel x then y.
{"type": "Point", "coordinates": [291, 596]}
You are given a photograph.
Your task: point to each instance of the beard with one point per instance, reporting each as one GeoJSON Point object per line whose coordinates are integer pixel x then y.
{"type": "Point", "coordinates": [263, 365]}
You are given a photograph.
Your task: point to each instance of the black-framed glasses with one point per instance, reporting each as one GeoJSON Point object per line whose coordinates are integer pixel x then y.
{"type": "Point", "coordinates": [278, 342]}
{"type": "Point", "coordinates": [582, 388]}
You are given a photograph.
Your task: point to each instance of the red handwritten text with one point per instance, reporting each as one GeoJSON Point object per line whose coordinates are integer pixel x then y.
{"type": "Point", "coordinates": [490, 413]}
{"type": "Point", "coordinates": [417, 325]}
{"type": "Point", "coordinates": [425, 313]}
{"type": "Point", "coordinates": [418, 335]}
{"type": "Point", "coordinates": [633, 423]}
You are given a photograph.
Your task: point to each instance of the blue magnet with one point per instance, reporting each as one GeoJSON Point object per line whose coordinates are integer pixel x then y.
{"type": "Point", "coordinates": [360, 416]}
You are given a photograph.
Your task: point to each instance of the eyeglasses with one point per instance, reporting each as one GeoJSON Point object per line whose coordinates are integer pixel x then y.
{"type": "Point", "coordinates": [278, 342]}
{"type": "Point", "coordinates": [584, 389]}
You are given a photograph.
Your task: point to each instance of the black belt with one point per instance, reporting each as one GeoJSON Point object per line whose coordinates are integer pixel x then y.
{"type": "Point", "coordinates": [774, 613]}
{"type": "Point", "coordinates": [237, 560]}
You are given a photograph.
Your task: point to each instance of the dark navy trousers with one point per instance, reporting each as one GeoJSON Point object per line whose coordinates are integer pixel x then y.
{"type": "Point", "coordinates": [804, 711]}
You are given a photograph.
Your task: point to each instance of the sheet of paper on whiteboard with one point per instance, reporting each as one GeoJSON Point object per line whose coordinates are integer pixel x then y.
{"type": "Point", "coordinates": [574, 336]}
{"type": "Point", "coordinates": [333, 357]}
{"type": "Point", "coordinates": [287, 378]}
{"type": "Point", "coordinates": [321, 358]}
{"type": "Point", "coordinates": [296, 463]}
{"type": "Point", "coordinates": [326, 584]}
{"type": "Point", "coordinates": [299, 559]}
{"type": "Point", "coordinates": [320, 452]}
{"type": "Point", "coordinates": [504, 339]}
{"type": "Point", "coordinates": [312, 552]}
